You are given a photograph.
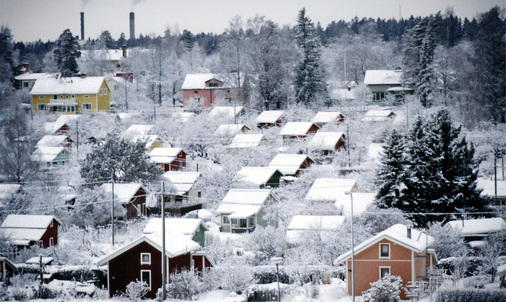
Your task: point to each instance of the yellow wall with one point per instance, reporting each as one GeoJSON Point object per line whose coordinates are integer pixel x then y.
{"type": "Point", "coordinates": [98, 102]}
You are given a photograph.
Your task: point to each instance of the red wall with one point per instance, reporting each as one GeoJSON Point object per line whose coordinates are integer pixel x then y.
{"type": "Point", "coordinates": [139, 200]}
{"type": "Point", "coordinates": [51, 232]}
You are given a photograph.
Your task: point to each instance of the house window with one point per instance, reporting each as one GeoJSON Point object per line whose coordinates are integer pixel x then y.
{"type": "Point", "coordinates": [199, 194]}
{"type": "Point", "coordinates": [196, 92]}
{"type": "Point", "coordinates": [55, 96]}
{"type": "Point", "coordinates": [25, 84]}
{"type": "Point", "coordinates": [51, 224]}
{"type": "Point", "coordinates": [101, 91]}
{"type": "Point", "coordinates": [87, 106]}
{"type": "Point", "coordinates": [146, 277]}
{"type": "Point", "coordinates": [251, 221]}
{"type": "Point", "coordinates": [67, 96]}
{"type": "Point", "coordinates": [105, 91]}
{"type": "Point", "coordinates": [233, 221]}
{"type": "Point", "coordinates": [61, 96]}
{"type": "Point", "coordinates": [86, 96]}
{"type": "Point", "coordinates": [145, 258]}
{"type": "Point", "coordinates": [41, 244]}
{"type": "Point", "coordinates": [116, 87]}
{"type": "Point", "coordinates": [213, 84]}
{"type": "Point", "coordinates": [225, 219]}
{"type": "Point", "coordinates": [384, 270]}
{"type": "Point", "coordinates": [41, 97]}
{"type": "Point", "coordinates": [378, 96]}
{"type": "Point", "coordinates": [73, 96]}
{"type": "Point", "coordinates": [51, 241]}
{"type": "Point", "coordinates": [384, 250]}
{"type": "Point", "coordinates": [41, 107]}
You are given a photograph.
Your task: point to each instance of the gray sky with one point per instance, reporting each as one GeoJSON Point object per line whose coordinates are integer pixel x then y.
{"type": "Point", "coordinates": [30, 20]}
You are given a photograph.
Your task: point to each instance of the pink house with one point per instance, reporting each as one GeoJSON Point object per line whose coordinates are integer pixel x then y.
{"type": "Point", "coordinates": [204, 90]}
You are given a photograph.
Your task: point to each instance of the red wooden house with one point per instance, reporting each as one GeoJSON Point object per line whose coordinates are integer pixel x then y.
{"type": "Point", "coordinates": [132, 196]}
{"type": "Point", "coordinates": [170, 159]}
{"type": "Point", "coordinates": [298, 130]}
{"type": "Point", "coordinates": [323, 118]}
{"type": "Point", "coordinates": [327, 143]}
{"type": "Point", "coordinates": [271, 118]}
{"type": "Point", "coordinates": [204, 90]}
{"type": "Point", "coordinates": [26, 230]}
{"type": "Point", "coordinates": [398, 250]}
{"type": "Point", "coordinates": [144, 259]}
{"type": "Point", "coordinates": [291, 164]}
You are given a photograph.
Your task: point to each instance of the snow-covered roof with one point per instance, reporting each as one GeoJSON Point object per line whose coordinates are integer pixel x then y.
{"type": "Point", "coordinates": [325, 140]}
{"type": "Point", "coordinates": [342, 94]}
{"type": "Point", "coordinates": [46, 154]}
{"type": "Point", "coordinates": [271, 116]}
{"type": "Point", "coordinates": [397, 233]}
{"type": "Point", "coordinates": [296, 128]}
{"type": "Point", "coordinates": [176, 244]}
{"type": "Point", "coordinates": [327, 117]}
{"type": "Point", "coordinates": [67, 118]}
{"type": "Point", "coordinates": [378, 115]}
{"type": "Point", "coordinates": [28, 221]}
{"type": "Point", "coordinates": [165, 155]}
{"type": "Point", "coordinates": [488, 186]}
{"type": "Point", "coordinates": [52, 141]}
{"type": "Point", "coordinates": [198, 80]}
{"type": "Point", "coordinates": [183, 181]}
{"type": "Point", "coordinates": [245, 202]}
{"type": "Point", "coordinates": [225, 111]}
{"type": "Point", "coordinates": [288, 164]}
{"type": "Point", "coordinates": [187, 226]}
{"type": "Point", "coordinates": [304, 226]}
{"type": "Point", "coordinates": [383, 77]}
{"type": "Point", "coordinates": [136, 130]}
{"type": "Point", "coordinates": [257, 175]}
{"type": "Point", "coordinates": [330, 189]}
{"type": "Point", "coordinates": [148, 140]}
{"type": "Point", "coordinates": [37, 260]}
{"type": "Point", "coordinates": [183, 116]}
{"type": "Point", "coordinates": [483, 226]}
{"type": "Point", "coordinates": [247, 140]}
{"type": "Point", "coordinates": [124, 192]}
{"type": "Point", "coordinates": [375, 151]}
{"type": "Point", "coordinates": [71, 85]}
{"type": "Point", "coordinates": [230, 129]}
{"type": "Point", "coordinates": [33, 76]}
{"type": "Point", "coordinates": [360, 202]}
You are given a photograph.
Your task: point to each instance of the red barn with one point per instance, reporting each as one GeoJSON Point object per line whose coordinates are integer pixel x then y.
{"type": "Point", "coordinates": [144, 259]}
{"type": "Point", "coordinates": [27, 230]}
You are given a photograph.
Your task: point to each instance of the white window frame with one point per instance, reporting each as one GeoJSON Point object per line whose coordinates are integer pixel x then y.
{"type": "Point", "coordinates": [101, 91]}
{"type": "Point", "coordinates": [89, 104]}
{"type": "Point", "coordinates": [389, 250]}
{"type": "Point", "coordinates": [225, 219]}
{"type": "Point", "coordinates": [382, 268]}
{"type": "Point", "coordinates": [148, 262]}
{"type": "Point", "coordinates": [149, 272]}
{"type": "Point", "coordinates": [105, 91]}
{"type": "Point", "coordinates": [51, 241]}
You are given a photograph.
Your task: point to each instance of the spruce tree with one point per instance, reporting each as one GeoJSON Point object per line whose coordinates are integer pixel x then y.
{"type": "Point", "coordinates": [66, 52]}
{"type": "Point", "coordinates": [310, 86]}
{"type": "Point", "coordinates": [439, 174]}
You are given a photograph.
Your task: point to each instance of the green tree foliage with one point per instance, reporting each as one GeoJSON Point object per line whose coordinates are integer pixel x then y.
{"type": "Point", "coordinates": [310, 86]}
{"type": "Point", "coordinates": [122, 158]}
{"type": "Point", "coordinates": [6, 63]}
{"type": "Point", "coordinates": [438, 173]}
{"type": "Point", "coordinates": [106, 40]}
{"type": "Point", "coordinates": [490, 62]}
{"type": "Point", "coordinates": [66, 52]}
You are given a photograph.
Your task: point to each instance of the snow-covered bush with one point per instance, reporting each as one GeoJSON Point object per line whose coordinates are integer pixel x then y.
{"type": "Point", "coordinates": [387, 289]}
{"type": "Point", "coordinates": [266, 243]}
{"type": "Point", "coordinates": [136, 290]}
{"type": "Point", "coordinates": [184, 285]}
{"type": "Point", "coordinates": [470, 295]}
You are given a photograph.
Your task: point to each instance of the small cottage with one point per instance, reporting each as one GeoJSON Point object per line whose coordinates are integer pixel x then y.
{"type": "Point", "coordinates": [132, 197]}
{"type": "Point", "coordinates": [27, 230]}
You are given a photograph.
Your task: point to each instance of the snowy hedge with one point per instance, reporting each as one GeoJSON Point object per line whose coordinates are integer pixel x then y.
{"type": "Point", "coordinates": [469, 295]}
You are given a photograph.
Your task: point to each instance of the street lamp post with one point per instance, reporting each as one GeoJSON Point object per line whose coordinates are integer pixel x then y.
{"type": "Point", "coordinates": [352, 249]}
{"type": "Point", "coordinates": [277, 261]}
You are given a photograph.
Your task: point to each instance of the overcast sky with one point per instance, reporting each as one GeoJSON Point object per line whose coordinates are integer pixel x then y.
{"type": "Point", "coordinates": [30, 20]}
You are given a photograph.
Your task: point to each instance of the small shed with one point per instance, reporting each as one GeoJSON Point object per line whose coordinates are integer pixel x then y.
{"type": "Point", "coordinates": [248, 141]}
{"type": "Point", "coordinates": [26, 230]}
{"type": "Point", "coordinates": [270, 118]}
{"type": "Point", "coordinates": [187, 192]}
{"type": "Point", "coordinates": [226, 112]}
{"type": "Point", "coordinates": [327, 143]}
{"type": "Point", "coordinates": [330, 189]}
{"type": "Point", "coordinates": [170, 159]}
{"type": "Point", "coordinates": [263, 177]}
{"type": "Point", "coordinates": [291, 164]}
{"type": "Point", "coordinates": [378, 116]}
{"type": "Point", "coordinates": [55, 141]}
{"type": "Point", "coordinates": [297, 130]}
{"type": "Point", "coordinates": [323, 118]}
{"type": "Point", "coordinates": [132, 197]}
{"type": "Point", "coordinates": [51, 156]}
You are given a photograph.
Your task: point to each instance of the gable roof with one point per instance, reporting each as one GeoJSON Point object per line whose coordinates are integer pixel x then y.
{"type": "Point", "coordinates": [138, 130]}
{"type": "Point", "coordinates": [230, 129]}
{"type": "Point", "coordinates": [182, 181]}
{"type": "Point", "coordinates": [52, 141]}
{"type": "Point", "coordinates": [297, 128]}
{"type": "Point", "coordinates": [244, 202]}
{"type": "Point", "coordinates": [198, 80]}
{"type": "Point", "coordinates": [330, 189]}
{"type": "Point", "coordinates": [325, 140]}
{"type": "Point", "coordinates": [482, 226]}
{"type": "Point", "coordinates": [288, 164]}
{"type": "Point", "coordinates": [33, 76]}
{"type": "Point", "coordinates": [396, 233]}
{"type": "Point", "coordinates": [187, 226]}
{"type": "Point", "coordinates": [225, 111]}
{"type": "Point", "coordinates": [22, 229]}
{"type": "Point", "coordinates": [176, 244]}
{"type": "Point", "coordinates": [271, 116]}
{"type": "Point", "coordinates": [165, 155]}
{"type": "Point", "coordinates": [72, 85]}
{"type": "Point", "coordinates": [256, 175]}
{"type": "Point", "coordinates": [242, 140]}
{"type": "Point", "coordinates": [323, 117]}
{"type": "Point", "coordinates": [378, 115]}
{"type": "Point", "coordinates": [383, 77]}
{"type": "Point", "coordinates": [47, 154]}
{"type": "Point", "coordinates": [124, 192]}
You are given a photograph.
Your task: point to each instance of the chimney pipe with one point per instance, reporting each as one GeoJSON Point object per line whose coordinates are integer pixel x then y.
{"type": "Point", "coordinates": [132, 25]}
{"type": "Point", "coordinates": [124, 51]}
{"type": "Point", "coordinates": [409, 232]}
{"type": "Point", "coordinates": [82, 26]}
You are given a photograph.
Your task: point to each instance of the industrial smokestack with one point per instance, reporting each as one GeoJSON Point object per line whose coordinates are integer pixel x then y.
{"type": "Point", "coordinates": [82, 25]}
{"type": "Point", "coordinates": [132, 26]}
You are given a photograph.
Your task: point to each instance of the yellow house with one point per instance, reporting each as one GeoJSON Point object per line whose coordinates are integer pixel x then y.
{"type": "Point", "coordinates": [70, 95]}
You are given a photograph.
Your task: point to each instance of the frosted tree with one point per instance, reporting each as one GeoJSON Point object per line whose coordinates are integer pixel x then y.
{"type": "Point", "coordinates": [387, 289]}
{"type": "Point", "coordinates": [310, 86]}
{"type": "Point", "coordinates": [122, 159]}
{"type": "Point", "coordinates": [66, 52]}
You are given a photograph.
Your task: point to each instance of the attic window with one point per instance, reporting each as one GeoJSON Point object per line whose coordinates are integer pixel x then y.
{"type": "Point", "coordinates": [384, 250]}
{"type": "Point", "coordinates": [146, 258]}
{"type": "Point", "coordinates": [213, 84]}
{"type": "Point", "coordinates": [86, 96]}
{"type": "Point", "coordinates": [41, 97]}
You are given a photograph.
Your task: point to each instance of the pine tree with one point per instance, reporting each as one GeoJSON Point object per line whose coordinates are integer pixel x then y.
{"type": "Point", "coordinates": [439, 173]}
{"type": "Point", "coordinates": [66, 52]}
{"type": "Point", "coordinates": [106, 40]}
{"type": "Point", "coordinates": [119, 158]}
{"type": "Point", "coordinates": [310, 86]}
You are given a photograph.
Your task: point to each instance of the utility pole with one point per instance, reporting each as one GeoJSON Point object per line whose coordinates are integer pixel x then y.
{"type": "Point", "coordinates": [112, 207]}
{"type": "Point", "coordinates": [164, 264]}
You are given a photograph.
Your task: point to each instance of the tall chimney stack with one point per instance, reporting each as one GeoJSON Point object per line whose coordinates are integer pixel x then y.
{"type": "Point", "coordinates": [132, 26]}
{"type": "Point", "coordinates": [82, 26]}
